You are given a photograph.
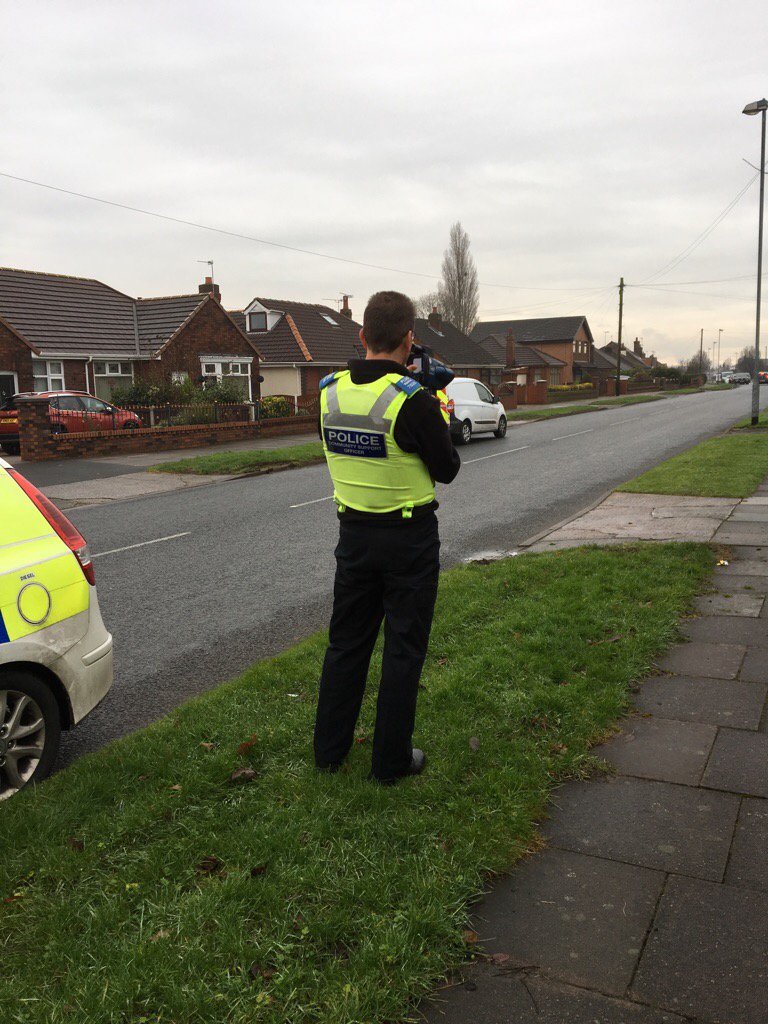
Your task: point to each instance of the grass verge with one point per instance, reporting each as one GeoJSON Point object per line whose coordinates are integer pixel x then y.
{"type": "Point", "coordinates": [143, 885]}
{"type": "Point", "coordinates": [722, 467]}
{"type": "Point", "coordinates": [553, 413]}
{"type": "Point", "coordinates": [246, 461]}
{"type": "Point", "coordinates": [630, 400]}
{"type": "Point", "coordinates": [746, 423]}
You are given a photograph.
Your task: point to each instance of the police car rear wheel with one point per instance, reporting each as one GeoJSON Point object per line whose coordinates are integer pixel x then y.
{"type": "Point", "coordinates": [465, 435]}
{"type": "Point", "coordinates": [30, 729]}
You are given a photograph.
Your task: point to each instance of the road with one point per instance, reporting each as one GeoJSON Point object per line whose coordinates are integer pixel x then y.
{"type": "Point", "coordinates": [249, 568]}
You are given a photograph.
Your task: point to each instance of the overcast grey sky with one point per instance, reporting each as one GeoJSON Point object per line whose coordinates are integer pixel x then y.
{"type": "Point", "coordinates": [576, 142]}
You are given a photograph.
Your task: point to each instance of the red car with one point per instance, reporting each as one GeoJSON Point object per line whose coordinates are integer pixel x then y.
{"type": "Point", "coordinates": [72, 412]}
{"type": "Point", "coordinates": [763, 377]}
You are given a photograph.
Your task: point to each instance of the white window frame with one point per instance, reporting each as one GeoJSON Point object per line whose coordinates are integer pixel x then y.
{"type": "Point", "coordinates": [120, 363]}
{"type": "Point", "coordinates": [217, 360]}
{"type": "Point", "coordinates": [11, 373]}
{"type": "Point", "coordinates": [49, 376]}
{"type": "Point", "coordinates": [259, 313]}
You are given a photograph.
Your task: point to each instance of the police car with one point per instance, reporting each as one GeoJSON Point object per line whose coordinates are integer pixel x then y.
{"type": "Point", "coordinates": [55, 653]}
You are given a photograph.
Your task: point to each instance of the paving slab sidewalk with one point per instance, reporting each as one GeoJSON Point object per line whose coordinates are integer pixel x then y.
{"type": "Point", "coordinates": [649, 904]}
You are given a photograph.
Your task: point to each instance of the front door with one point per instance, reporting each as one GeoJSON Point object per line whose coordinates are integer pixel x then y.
{"type": "Point", "coordinates": [7, 388]}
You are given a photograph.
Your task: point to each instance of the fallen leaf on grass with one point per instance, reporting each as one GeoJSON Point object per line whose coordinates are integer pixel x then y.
{"type": "Point", "coordinates": [256, 971]}
{"type": "Point", "coordinates": [559, 748]}
{"type": "Point", "coordinates": [208, 746]}
{"type": "Point", "coordinates": [76, 844]}
{"type": "Point", "coordinates": [469, 936]}
{"type": "Point", "coordinates": [242, 775]}
{"type": "Point", "coordinates": [609, 640]}
{"type": "Point", "coordinates": [442, 661]}
{"type": "Point", "coordinates": [474, 743]}
{"type": "Point", "coordinates": [162, 934]}
{"type": "Point", "coordinates": [177, 787]}
{"type": "Point", "coordinates": [248, 744]}
{"type": "Point", "coordinates": [499, 958]}
{"type": "Point", "coordinates": [258, 870]}
{"type": "Point", "coordinates": [210, 865]}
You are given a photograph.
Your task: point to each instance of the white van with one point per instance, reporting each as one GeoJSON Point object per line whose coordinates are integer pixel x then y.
{"type": "Point", "coordinates": [474, 410]}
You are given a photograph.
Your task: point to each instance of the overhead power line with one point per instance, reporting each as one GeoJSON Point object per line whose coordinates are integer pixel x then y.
{"type": "Point", "coordinates": [266, 241]}
{"type": "Point", "coordinates": [677, 260]}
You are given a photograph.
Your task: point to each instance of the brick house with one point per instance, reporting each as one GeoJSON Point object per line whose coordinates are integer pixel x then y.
{"type": "Point", "coordinates": [299, 342]}
{"type": "Point", "coordinates": [632, 361]}
{"type": "Point", "coordinates": [464, 355]}
{"type": "Point", "coordinates": [567, 339]}
{"type": "Point", "coordinates": [530, 369]}
{"type": "Point", "coordinates": [59, 332]}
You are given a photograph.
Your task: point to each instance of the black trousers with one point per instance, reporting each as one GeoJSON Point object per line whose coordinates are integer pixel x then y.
{"type": "Point", "coordinates": [387, 572]}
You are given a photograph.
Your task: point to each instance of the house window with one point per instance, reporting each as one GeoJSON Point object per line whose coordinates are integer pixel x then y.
{"type": "Point", "coordinates": [110, 375]}
{"type": "Point", "coordinates": [329, 319]}
{"type": "Point", "coordinates": [229, 368]}
{"type": "Point", "coordinates": [257, 321]}
{"type": "Point", "coordinates": [554, 376]}
{"type": "Point", "coordinates": [47, 375]}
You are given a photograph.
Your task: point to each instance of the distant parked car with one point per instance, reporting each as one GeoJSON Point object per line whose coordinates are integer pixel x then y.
{"type": "Point", "coordinates": [741, 378]}
{"type": "Point", "coordinates": [474, 410]}
{"type": "Point", "coordinates": [72, 412]}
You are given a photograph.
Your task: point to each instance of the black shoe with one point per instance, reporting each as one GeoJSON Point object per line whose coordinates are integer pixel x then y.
{"type": "Point", "coordinates": [330, 769]}
{"type": "Point", "coordinates": [416, 767]}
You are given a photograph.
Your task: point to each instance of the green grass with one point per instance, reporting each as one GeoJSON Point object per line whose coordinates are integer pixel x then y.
{"type": "Point", "coordinates": [324, 898]}
{"type": "Point", "coordinates": [631, 400]}
{"type": "Point", "coordinates": [746, 423]}
{"type": "Point", "coordinates": [551, 413]}
{"type": "Point", "coordinates": [722, 467]}
{"type": "Point", "coordinates": [245, 461]}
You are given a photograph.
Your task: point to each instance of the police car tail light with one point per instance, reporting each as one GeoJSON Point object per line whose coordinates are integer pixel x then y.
{"type": "Point", "coordinates": [63, 527]}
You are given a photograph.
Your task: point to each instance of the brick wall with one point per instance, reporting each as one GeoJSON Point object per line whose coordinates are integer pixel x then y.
{"type": "Point", "coordinates": [16, 358]}
{"type": "Point", "coordinates": [38, 444]}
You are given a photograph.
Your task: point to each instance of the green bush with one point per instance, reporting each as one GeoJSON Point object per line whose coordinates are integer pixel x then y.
{"type": "Point", "coordinates": [273, 406]}
{"type": "Point", "coordinates": [159, 391]}
{"type": "Point", "coordinates": [560, 388]}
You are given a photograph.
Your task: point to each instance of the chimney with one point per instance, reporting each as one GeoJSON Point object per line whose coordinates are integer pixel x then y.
{"type": "Point", "coordinates": [638, 349]}
{"type": "Point", "coordinates": [209, 288]}
{"type": "Point", "coordinates": [345, 310]}
{"type": "Point", "coordinates": [434, 320]}
{"type": "Point", "coordinates": [511, 354]}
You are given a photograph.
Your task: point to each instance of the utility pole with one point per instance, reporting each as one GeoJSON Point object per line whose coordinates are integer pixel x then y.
{"type": "Point", "coordinates": [621, 319]}
{"type": "Point", "coordinates": [719, 339]}
{"type": "Point", "coordinates": [701, 351]}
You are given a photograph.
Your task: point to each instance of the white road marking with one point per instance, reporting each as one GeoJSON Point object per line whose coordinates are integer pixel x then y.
{"type": "Point", "coordinates": [143, 544]}
{"type": "Point", "coordinates": [313, 502]}
{"type": "Point", "coordinates": [495, 455]}
{"type": "Point", "coordinates": [578, 432]}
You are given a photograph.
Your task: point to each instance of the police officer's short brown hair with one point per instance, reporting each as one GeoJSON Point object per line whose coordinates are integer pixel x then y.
{"type": "Point", "coordinates": [387, 319]}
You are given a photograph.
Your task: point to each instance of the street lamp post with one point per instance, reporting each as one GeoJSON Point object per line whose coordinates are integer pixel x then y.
{"type": "Point", "coordinates": [758, 107]}
{"type": "Point", "coordinates": [719, 339]}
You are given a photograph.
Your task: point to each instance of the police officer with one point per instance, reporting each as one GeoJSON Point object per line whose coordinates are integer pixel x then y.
{"type": "Point", "coordinates": [386, 443]}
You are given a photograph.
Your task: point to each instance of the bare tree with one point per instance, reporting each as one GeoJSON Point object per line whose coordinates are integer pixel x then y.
{"type": "Point", "coordinates": [425, 302]}
{"type": "Point", "coordinates": [459, 294]}
{"type": "Point", "coordinates": [745, 363]}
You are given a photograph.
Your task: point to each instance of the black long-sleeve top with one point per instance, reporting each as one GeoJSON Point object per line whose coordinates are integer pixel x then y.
{"type": "Point", "coordinates": [419, 429]}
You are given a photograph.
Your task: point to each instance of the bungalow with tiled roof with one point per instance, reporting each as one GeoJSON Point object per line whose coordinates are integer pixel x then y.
{"type": "Point", "coordinates": [59, 332]}
{"type": "Point", "coordinates": [566, 338]}
{"type": "Point", "coordinates": [464, 356]}
{"type": "Point", "coordinates": [299, 342]}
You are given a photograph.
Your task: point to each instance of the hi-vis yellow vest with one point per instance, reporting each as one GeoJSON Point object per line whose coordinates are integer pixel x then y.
{"type": "Point", "coordinates": [370, 472]}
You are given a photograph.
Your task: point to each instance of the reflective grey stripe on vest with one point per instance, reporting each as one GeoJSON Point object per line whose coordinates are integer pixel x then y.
{"type": "Point", "coordinates": [373, 421]}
